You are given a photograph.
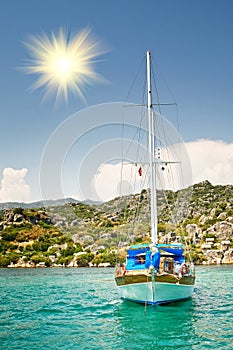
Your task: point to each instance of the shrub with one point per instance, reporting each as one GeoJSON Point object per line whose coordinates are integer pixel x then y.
{"type": "Point", "coordinates": [1, 215]}
{"type": "Point", "coordinates": [70, 250]}
{"type": "Point", "coordinates": [4, 246]}
{"type": "Point", "coordinates": [209, 235]}
{"type": "Point", "coordinates": [44, 225]}
{"type": "Point", "coordinates": [78, 248]}
{"type": "Point", "coordinates": [105, 258]}
{"type": "Point", "coordinates": [83, 260]}
{"type": "Point", "coordinates": [47, 262]}
{"type": "Point", "coordinates": [28, 248]}
{"type": "Point", "coordinates": [12, 246]}
{"type": "Point", "coordinates": [14, 257]}
{"type": "Point", "coordinates": [4, 261]}
{"type": "Point", "coordinates": [36, 246]}
{"type": "Point", "coordinates": [9, 234]}
{"type": "Point", "coordinates": [37, 258]}
{"type": "Point", "coordinates": [64, 260]}
{"type": "Point", "coordinates": [18, 211]}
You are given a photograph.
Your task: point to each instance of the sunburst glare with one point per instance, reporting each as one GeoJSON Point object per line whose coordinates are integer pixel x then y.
{"type": "Point", "coordinates": [63, 63]}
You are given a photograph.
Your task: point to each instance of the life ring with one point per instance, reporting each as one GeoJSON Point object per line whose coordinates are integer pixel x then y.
{"type": "Point", "coordinates": [184, 269]}
{"type": "Point", "coordinates": [123, 269]}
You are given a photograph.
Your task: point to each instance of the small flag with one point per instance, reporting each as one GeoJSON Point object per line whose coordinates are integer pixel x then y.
{"type": "Point", "coordinates": [140, 171]}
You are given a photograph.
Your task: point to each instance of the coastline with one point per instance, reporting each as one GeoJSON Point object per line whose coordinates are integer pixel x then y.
{"type": "Point", "coordinates": [105, 265]}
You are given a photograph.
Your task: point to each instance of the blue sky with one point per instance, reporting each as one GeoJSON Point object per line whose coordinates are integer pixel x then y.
{"type": "Point", "coordinates": [191, 42]}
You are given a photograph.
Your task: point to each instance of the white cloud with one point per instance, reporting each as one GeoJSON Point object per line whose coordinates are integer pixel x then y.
{"type": "Point", "coordinates": [13, 186]}
{"type": "Point", "coordinates": [211, 160]}
{"type": "Point", "coordinates": [113, 180]}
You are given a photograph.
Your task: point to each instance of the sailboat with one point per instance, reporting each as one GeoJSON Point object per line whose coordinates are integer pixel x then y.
{"type": "Point", "coordinates": [154, 273]}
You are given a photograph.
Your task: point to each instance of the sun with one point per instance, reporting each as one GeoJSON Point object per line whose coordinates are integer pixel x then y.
{"type": "Point", "coordinates": [63, 63]}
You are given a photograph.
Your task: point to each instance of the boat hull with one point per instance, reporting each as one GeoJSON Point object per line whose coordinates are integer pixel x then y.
{"type": "Point", "coordinates": [164, 289]}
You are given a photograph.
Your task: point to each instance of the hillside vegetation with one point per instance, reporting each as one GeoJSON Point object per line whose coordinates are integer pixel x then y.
{"type": "Point", "coordinates": [78, 234]}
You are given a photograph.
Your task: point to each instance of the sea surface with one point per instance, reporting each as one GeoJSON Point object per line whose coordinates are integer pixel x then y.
{"type": "Point", "coordinates": [79, 308]}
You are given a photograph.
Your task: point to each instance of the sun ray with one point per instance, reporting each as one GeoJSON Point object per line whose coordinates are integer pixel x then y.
{"type": "Point", "coordinates": [63, 63]}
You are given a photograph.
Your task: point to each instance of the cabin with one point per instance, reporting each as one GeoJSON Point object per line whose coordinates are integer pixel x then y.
{"type": "Point", "coordinates": [164, 257]}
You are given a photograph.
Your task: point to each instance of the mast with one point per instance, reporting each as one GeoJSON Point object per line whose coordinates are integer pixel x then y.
{"type": "Point", "coordinates": [151, 145]}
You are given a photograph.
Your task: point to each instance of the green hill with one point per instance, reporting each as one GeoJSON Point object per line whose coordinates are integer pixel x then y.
{"type": "Point", "coordinates": [78, 234]}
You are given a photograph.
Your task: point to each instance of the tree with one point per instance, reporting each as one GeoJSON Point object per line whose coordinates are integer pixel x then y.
{"type": "Point", "coordinates": [47, 262]}
{"type": "Point", "coordinates": [4, 261]}
{"type": "Point", "coordinates": [37, 258]}
{"type": "Point", "coordinates": [78, 248]}
{"type": "Point", "coordinates": [18, 211]}
{"type": "Point", "coordinates": [36, 246]}
{"type": "Point", "coordinates": [82, 260]}
{"type": "Point", "coordinates": [64, 260]}
{"type": "Point", "coordinates": [14, 257]}
{"type": "Point", "coordinates": [70, 250]}
{"type": "Point", "coordinates": [9, 234]}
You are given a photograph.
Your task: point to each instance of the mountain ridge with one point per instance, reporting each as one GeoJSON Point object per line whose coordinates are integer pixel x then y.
{"type": "Point", "coordinates": [45, 203]}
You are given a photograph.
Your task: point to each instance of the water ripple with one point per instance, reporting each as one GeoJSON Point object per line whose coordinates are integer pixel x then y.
{"type": "Point", "coordinates": [80, 309]}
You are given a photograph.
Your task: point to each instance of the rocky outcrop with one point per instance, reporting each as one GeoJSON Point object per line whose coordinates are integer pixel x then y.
{"type": "Point", "coordinates": [228, 257]}
{"type": "Point", "coordinates": [18, 217]}
{"type": "Point", "coordinates": [213, 257]}
{"type": "Point", "coordinates": [194, 232]}
{"type": "Point", "coordinates": [222, 230]}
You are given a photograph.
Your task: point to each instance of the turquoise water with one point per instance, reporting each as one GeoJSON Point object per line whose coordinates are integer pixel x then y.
{"type": "Point", "coordinates": [80, 309]}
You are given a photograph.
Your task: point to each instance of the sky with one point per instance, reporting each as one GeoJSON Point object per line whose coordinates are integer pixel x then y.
{"type": "Point", "coordinates": [191, 44]}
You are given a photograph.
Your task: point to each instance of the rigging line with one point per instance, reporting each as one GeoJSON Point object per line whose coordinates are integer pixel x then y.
{"type": "Point", "coordinates": [177, 114]}
{"type": "Point", "coordinates": [121, 170]}
{"type": "Point", "coordinates": [170, 92]}
{"type": "Point", "coordinates": [143, 115]}
{"type": "Point", "coordinates": [139, 128]}
{"type": "Point", "coordinates": [173, 216]}
{"type": "Point", "coordinates": [122, 203]}
{"type": "Point", "coordinates": [122, 149]}
{"type": "Point", "coordinates": [146, 201]}
{"type": "Point", "coordinates": [137, 132]}
{"type": "Point", "coordinates": [122, 163]}
{"type": "Point", "coordinates": [165, 149]}
{"type": "Point", "coordinates": [131, 227]}
{"type": "Point", "coordinates": [153, 104]}
{"type": "Point", "coordinates": [144, 182]}
{"type": "Point", "coordinates": [164, 194]}
{"type": "Point", "coordinates": [165, 104]}
{"type": "Point", "coordinates": [177, 119]}
{"type": "Point", "coordinates": [123, 132]}
{"type": "Point", "coordinates": [172, 178]}
{"type": "Point", "coordinates": [157, 96]}
{"type": "Point", "coordinates": [134, 137]}
{"type": "Point", "coordinates": [138, 161]}
{"type": "Point", "coordinates": [140, 136]}
{"type": "Point", "coordinates": [156, 116]}
{"type": "Point", "coordinates": [132, 222]}
{"type": "Point", "coordinates": [165, 198]}
{"type": "Point", "coordinates": [139, 206]}
{"type": "Point", "coordinates": [128, 213]}
{"type": "Point", "coordinates": [136, 213]}
{"type": "Point", "coordinates": [134, 80]}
